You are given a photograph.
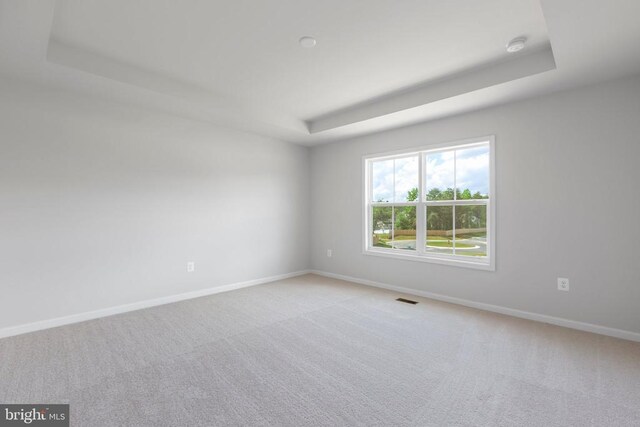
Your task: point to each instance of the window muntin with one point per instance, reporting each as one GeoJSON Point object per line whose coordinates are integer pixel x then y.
{"type": "Point", "coordinates": [432, 204]}
{"type": "Point", "coordinates": [392, 179]}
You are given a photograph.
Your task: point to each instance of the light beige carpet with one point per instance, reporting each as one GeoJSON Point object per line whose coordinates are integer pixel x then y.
{"type": "Point", "coordinates": [316, 351]}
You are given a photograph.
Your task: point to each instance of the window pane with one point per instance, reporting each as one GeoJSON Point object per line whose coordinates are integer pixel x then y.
{"type": "Point", "coordinates": [381, 225]}
{"type": "Point", "coordinates": [439, 176]}
{"type": "Point", "coordinates": [471, 230]}
{"type": "Point", "coordinates": [404, 233]}
{"type": "Point", "coordinates": [439, 229]}
{"type": "Point", "coordinates": [472, 172]}
{"type": "Point", "coordinates": [406, 179]}
{"type": "Point", "coordinates": [382, 181]}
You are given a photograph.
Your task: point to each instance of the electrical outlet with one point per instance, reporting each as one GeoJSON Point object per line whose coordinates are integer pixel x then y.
{"type": "Point", "coordinates": [329, 253]}
{"type": "Point", "coordinates": [191, 267]}
{"type": "Point", "coordinates": [563, 284]}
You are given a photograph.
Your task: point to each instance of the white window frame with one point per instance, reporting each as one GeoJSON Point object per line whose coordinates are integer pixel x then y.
{"type": "Point", "coordinates": [481, 263]}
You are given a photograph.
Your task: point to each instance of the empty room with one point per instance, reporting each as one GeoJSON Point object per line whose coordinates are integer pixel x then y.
{"type": "Point", "coordinates": [319, 213]}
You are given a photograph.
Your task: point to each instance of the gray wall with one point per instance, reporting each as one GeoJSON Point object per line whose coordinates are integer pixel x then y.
{"type": "Point", "coordinates": [101, 207]}
{"type": "Point", "coordinates": [568, 205]}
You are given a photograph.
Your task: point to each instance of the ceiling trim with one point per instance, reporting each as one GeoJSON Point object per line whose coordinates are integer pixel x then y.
{"type": "Point", "coordinates": [214, 104]}
{"type": "Point", "coordinates": [522, 65]}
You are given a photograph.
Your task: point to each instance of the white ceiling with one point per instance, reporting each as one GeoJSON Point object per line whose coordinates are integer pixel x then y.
{"type": "Point", "coordinates": [248, 49]}
{"type": "Point", "coordinates": [378, 64]}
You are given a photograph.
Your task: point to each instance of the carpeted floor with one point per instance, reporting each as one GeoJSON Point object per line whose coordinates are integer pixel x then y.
{"type": "Point", "coordinates": [316, 351]}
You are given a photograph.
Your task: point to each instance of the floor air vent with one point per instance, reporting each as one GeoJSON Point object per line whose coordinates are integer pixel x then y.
{"type": "Point", "coordinates": [408, 301]}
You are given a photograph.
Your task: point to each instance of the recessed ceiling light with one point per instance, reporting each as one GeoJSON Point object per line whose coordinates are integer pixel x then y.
{"type": "Point", "coordinates": [516, 44]}
{"type": "Point", "coordinates": [307, 41]}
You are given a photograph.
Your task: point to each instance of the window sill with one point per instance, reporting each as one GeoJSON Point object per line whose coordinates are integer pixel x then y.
{"type": "Point", "coordinates": [455, 262]}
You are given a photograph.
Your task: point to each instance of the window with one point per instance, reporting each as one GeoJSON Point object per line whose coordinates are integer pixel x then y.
{"type": "Point", "coordinates": [433, 204]}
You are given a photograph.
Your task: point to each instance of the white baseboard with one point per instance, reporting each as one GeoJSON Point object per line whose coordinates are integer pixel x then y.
{"type": "Point", "coordinates": [81, 317]}
{"type": "Point", "coordinates": [573, 324]}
